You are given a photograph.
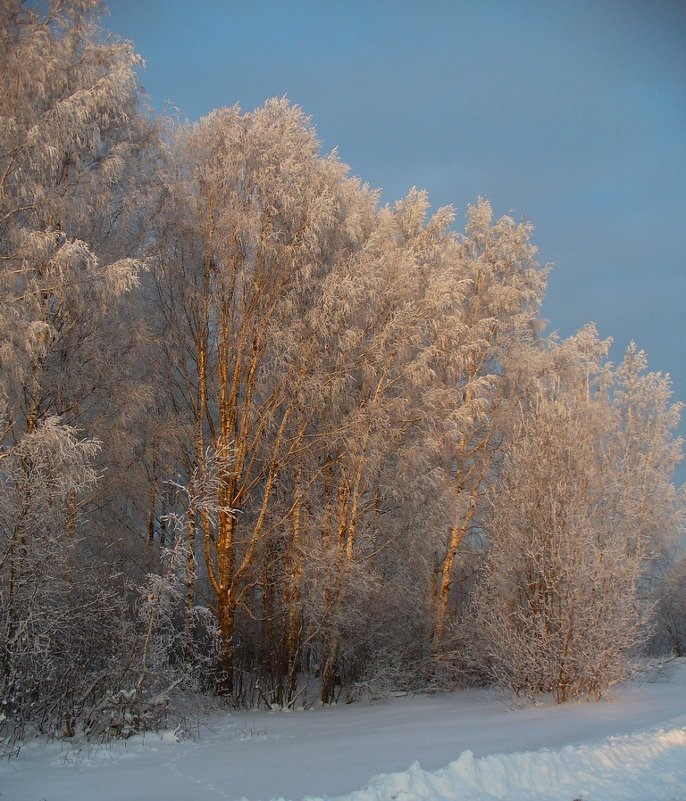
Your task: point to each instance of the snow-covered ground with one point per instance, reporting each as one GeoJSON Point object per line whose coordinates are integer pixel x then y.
{"type": "Point", "coordinates": [631, 747]}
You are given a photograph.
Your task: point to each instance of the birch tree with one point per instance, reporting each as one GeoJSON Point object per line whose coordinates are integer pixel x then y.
{"type": "Point", "coordinates": [265, 211]}
{"type": "Point", "coordinates": [374, 312]}
{"type": "Point", "coordinates": [482, 333]}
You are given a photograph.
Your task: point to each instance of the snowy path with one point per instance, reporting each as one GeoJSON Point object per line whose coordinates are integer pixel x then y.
{"type": "Point", "coordinates": [331, 752]}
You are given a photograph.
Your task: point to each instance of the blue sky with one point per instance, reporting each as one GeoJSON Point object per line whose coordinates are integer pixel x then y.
{"type": "Point", "coordinates": [569, 113]}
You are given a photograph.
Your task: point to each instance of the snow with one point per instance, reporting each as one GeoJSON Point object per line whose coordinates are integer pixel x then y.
{"type": "Point", "coordinates": [466, 746]}
{"type": "Point", "coordinates": [644, 766]}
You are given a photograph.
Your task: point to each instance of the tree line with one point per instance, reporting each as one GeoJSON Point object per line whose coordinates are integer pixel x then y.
{"type": "Point", "coordinates": [263, 437]}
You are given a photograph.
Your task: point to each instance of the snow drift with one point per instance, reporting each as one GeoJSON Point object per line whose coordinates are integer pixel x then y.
{"type": "Point", "coordinates": [630, 768]}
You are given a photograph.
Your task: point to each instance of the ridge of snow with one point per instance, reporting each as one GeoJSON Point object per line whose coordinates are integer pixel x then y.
{"type": "Point", "coordinates": [650, 765]}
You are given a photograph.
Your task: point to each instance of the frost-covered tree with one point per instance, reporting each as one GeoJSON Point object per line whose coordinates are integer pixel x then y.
{"type": "Point", "coordinates": [491, 316]}
{"type": "Point", "coordinates": [71, 227]}
{"type": "Point", "coordinates": [71, 220]}
{"type": "Point", "coordinates": [643, 454]}
{"type": "Point", "coordinates": [377, 313]}
{"type": "Point", "coordinates": [256, 429]}
{"type": "Point", "coordinates": [558, 607]}
{"type": "Point", "coordinates": [48, 467]}
{"type": "Point", "coordinates": [255, 221]}
{"type": "Point", "coordinates": [670, 632]}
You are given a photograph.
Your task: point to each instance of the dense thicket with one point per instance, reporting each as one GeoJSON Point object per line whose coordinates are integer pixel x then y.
{"type": "Point", "coordinates": [264, 438]}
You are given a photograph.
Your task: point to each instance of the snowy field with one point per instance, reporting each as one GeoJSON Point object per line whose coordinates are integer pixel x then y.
{"type": "Point", "coordinates": [466, 746]}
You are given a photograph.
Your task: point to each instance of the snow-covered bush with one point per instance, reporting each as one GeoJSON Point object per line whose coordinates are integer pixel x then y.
{"type": "Point", "coordinates": [559, 602]}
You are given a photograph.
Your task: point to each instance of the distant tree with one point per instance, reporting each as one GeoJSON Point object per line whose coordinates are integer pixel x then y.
{"type": "Point", "coordinates": [671, 607]}
{"type": "Point", "coordinates": [642, 455]}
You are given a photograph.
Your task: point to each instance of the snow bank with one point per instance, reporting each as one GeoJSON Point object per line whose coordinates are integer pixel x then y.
{"type": "Point", "coordinates": [630, 748]}
{"type": "Point", "coordinates": [641, 767]}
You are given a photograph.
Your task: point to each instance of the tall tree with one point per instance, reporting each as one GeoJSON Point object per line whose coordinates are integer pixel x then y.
{"type": "Point", "coordinates": [262, 215]}
{"type": "Point", "coordinates": [70, 130]}
{"type": "Point", "coordinates": [482, 334]}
